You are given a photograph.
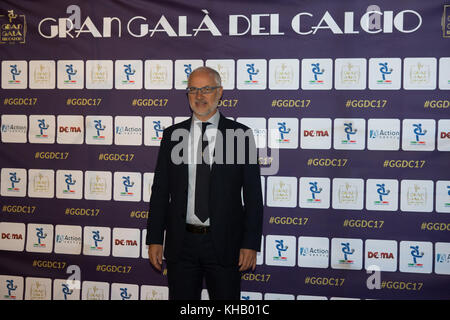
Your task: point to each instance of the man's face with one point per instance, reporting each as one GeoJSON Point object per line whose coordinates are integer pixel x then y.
{"type": "Point", "coordinates": [204, 106]}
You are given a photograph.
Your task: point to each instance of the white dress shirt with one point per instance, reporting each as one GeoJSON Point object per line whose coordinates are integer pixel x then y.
{"type": "Point", "coordinates": [194, 136]}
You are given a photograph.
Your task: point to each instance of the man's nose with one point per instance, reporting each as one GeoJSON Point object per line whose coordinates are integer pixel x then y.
{"type": "Point", "coordinates": [198, 92]}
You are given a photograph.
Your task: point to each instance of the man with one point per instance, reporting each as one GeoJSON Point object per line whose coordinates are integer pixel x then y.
{"type": "Point", "coordinates": [210, 233]}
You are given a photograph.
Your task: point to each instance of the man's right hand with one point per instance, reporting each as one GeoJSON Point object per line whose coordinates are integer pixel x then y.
{"type": "Point", "coordinates": [155, 254]}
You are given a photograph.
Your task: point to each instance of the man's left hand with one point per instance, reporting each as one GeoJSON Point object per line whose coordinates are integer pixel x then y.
{"type": "Point", "coordinates": [247, 259]}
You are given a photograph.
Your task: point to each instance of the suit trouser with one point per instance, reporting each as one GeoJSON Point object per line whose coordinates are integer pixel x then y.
{"type": "Point", "coordinates": [198, 261]}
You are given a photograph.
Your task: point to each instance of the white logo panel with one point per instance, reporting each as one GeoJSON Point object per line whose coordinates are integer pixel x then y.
{"type": "Point", "coordinates": [314, 193]}
{"type": "Point", "coordinates": [70, 74]}
{"type": "Point", "coordinates": [280, 250]}
{"type": "Point", "coordinates": [14, 74]}
{"type": "Point", "coordinates": [13, 182]}
{"type": "Point", "coordinates": [42, 74]}
{"type": "Point", "coordinates": [41, 183]}
{"type": "Point", "coordinates": [226, 70]}
{"type": "Point", "coordinates": [346, 254]}
{"type": "Point", "coordinates": [39, 238]}
{"type": "Point", "coordinates": [284, 74]}
{"type": "Point", "coordinates": [158, 74]}
{"type": "Point", "coordinates": [315, 133]}
{"type": "Point", "coordinates": [416, 195]}
{"type": "Point", "coordinates": [348, 193]}
{"type": "Point", "coordinates": [350, 74]}
{"type": "Point", "coordinates": [419, 73]}
{"type": "Point", "coordinates": [416, 256]}
{"type": "Point", "coordinates": [317, 74]}
{"type": "Point", "coordinates": [382, 254]}
{"type": "Point", "coordinates": [385, 73]}
{"type": "Point", "coordinates": [99, 74]}
{"type": "Point", "coordinates": [128, 74]}
{"type": "Point", "coordinates": [281, 192]}
{"type": "Point", "coordinates": [251, 74]}
{"type": "Point", "coordinates": [98, 185]}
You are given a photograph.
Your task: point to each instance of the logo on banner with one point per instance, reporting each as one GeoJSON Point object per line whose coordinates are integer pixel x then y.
{"type": "Point", "coordinates": [442, 265]}
{"type": "Point", "coordinates": [99, 129]}
{"type": "Point", "coordinates": [382, 192]}
{"type": "Point", "coordinates": [315, 191]}
{"type": "Point", "coordinates": [416, 256]}
{"type": "Point", "coordinates": [94, 293]}
{"type": "Point", "coordinates": [385, 71]}
{"type": "Point", "coordinates": [66, 291]}
{"type": "Point", "coordinates": [419, 133]}
{"type": "Point", "coordinates": [348, 193]}
{"type": "Point", "coordinates": [42, 129]}
{"type": "Point", "coordinates": [384, 134]}
{"type": "Point", "coordinates": [124, 294]}
{"type": "Point", "coordinates": [187, 72]}
{"type": "Point", "coordinates": [416, 195]}
{"type": "Point", "coordinates": [70, 72]}
{"type": "Point", "coordinates": [13, 180]}
{"type": "Point", "coordinates": [127, 184]}
{"type": "Point", "coordinates": [98, 185]}
{"type": "Point", "coordinates": [443, 258]}
{"type": "Point", "coordinates": [158, 74]}
{"type": "Point", "coordinates": [283, 131]}
{"type": "Point", "coordinates": [128, 73]}
{"type": "Point", "coordinates": [97, 238]}
{"type": "Point", "coordinates": [349, 131]}
{"type": "Point", "coordinates": [40, 235]}
{"type": "Point", "coordinates": [284, 74]}
{"type": "Point", "coordinates": [11, 288]}
{"type": "Point", "coordinates": [42, 75]}
{"type": "Point", "coordinates": [99, 74]}
{"type": "Point", "coordinates": [126, 242]}
{"type": "Point", "coordinates": [317, 71]}
{"type": "Point", "coordinates": [350, 74]}
{"type": "Point", "coordinates": [282, 192]}
{"type": "Point", "coordinates": [313, 252]}
{"type": "Point", "coordinates": [41, 183]}
{"type": "Point", "coordinates": [347, 251]}
{"type": "Point", "coordinates": [38, 290]}
{"type": "Point", "coordinates": [158, 130]}
{"type": "Point", "coordinates": [419, 74]}
{"type": "Point", "coordinates": [15, 72]}
{"type": "Point", "coordinates": [14, 128]}
{"type": "Point", "coordinates": [381, 253]}
{"type": "Point", "coordinates": [252, 72]}
{"type": "Point", "coordinates": [446, 22]}
{"type": "Point", "coordinates": [156, 293]}
{"type": "Point", "coordinates": [281, 248]}
{"type": "Point", "coordinates": [69, 182]}
{"type": "Point", "coordinates": [97, 241]}
{"type": "Point", "coordinates": [13, 28]}
{"type": "Point", "coordinates": [224, 73]}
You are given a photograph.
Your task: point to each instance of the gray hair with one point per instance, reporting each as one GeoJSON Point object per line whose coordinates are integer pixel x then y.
{"type": "Point", "coordinates": [211, 71]}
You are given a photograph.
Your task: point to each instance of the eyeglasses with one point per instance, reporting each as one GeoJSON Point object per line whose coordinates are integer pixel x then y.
{"type": "Point", "coordinates": [203, 90]}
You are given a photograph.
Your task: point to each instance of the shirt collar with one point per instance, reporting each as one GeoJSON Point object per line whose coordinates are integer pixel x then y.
{"type": "Point", "coordinates": [214, 120]}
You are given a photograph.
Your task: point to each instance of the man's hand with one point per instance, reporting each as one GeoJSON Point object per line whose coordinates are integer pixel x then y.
{"type": "Point", "coordinates": [247, 259]}
{"type": "Point", "coordinates": [155, 254]}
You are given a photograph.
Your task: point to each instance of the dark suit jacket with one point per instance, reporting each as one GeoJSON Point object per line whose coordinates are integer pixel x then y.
{"type": "Point", "coordinates": [233, 225]}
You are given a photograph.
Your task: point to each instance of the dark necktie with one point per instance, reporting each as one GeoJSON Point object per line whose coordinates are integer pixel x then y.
{"type": "Point", "coordinates": [202, 178]}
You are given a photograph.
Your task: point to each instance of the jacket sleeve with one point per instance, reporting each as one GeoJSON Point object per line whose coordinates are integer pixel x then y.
{"type": "Point", "coordinates": [159, 200]}
{"type": "Point", "coordinates": [252, 196]}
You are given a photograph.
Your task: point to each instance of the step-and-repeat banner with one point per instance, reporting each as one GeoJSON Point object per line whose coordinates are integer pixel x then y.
{"type": "Point", "coordinates": [348, 101]}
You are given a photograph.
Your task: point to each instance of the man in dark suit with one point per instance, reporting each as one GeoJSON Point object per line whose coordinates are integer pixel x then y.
{"type": "Point", "coordinates": [206, 196]}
